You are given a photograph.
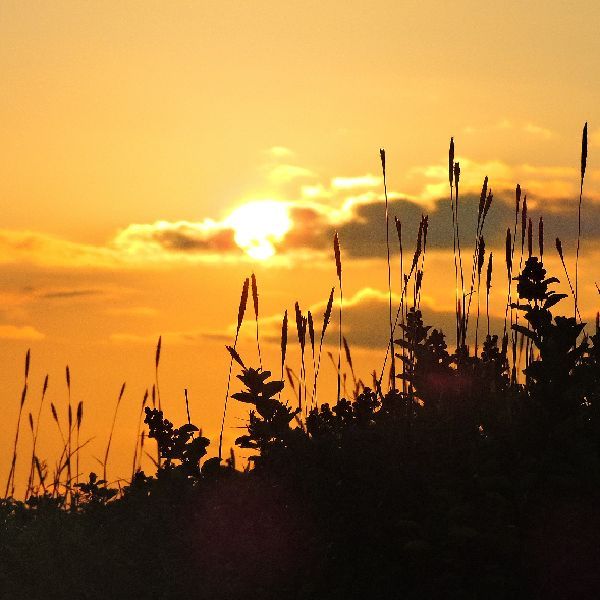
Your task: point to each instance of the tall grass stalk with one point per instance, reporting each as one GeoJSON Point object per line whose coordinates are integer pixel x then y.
{"type": "Point", "coordinates": [156, 365]}
{"type": "Point", "coordinates": [284, 335]}
{"type": "Point", "coordinates": [559, 250]}
{"type": "Point", "coordinates": [481, 214]}
{"type": "Point", "coordinates": [488, 286]}
{"type": "Point", "coordinates": [389, 268]}
{"type": "Point", "coordinates": [241, 311]}
{"type": "Point", "coordinates": [35, 436]}
{"type": "Point", "coordinates": [10, 482]}
{"type": "Point", "coordinates": [255, 303]}
{"type": "Point", "coordinates": [301, 331]}
{"type": "Point", "coordinates": [326, 319]}
{"type": "Point", "coordinates": [402, 304]}
{"type": "Point", "coordinates": [584, 149]}
{"type": "Point", "coordinates": [451, 182]}
{"type": "Point", "coordinates": [78, 422]}
{"type": "Point", "coordinates": [338, 267]}
{"type": "Point", "coordinates": [421, 238]}
{"type": "Point", "coordinates": [69, 425]}
{"type": "Point", "coordinates": [137, 437]}
{"type": "Point", "coordinates": [112, 429]}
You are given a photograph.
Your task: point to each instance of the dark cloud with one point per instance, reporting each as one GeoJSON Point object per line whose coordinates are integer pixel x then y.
{"type": "Point", "coordinates": [182, 240]}
{"type": "Point", "coordinates": [71, 294]}
{"type": "Point", "coordinates": [366, 323]}
{"type": "Point", "coordinates": [365, 235]}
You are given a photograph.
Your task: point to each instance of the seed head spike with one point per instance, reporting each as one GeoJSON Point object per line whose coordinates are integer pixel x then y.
{"type": "Point", "coordinates": [338, 259]}
{"type": "Point", "coordinates": [584, 144]}
{"type": "Point", "coordinates": [255, 295]}
{"type": "Point", "coordinates": [243, 303]}
{"type": "Point", "coordinates": [508, 252]}
{"type": "Point", "coordinates": [451, 161]}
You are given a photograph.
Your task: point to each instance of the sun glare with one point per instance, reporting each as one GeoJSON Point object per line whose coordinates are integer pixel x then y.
{"type": "Point", "coordinates": [258, 226]}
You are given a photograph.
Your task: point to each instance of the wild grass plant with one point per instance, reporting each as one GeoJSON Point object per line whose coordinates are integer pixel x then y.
{"type": "Point", "coordinates": [474, 474]}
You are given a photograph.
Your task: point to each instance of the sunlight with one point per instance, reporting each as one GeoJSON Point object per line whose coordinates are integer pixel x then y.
{"type": "Point", "coordinates": [258, 226]}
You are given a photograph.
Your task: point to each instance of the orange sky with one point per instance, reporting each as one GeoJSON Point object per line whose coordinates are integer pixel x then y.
{"type": "Point", "coordinates": [132, 131]}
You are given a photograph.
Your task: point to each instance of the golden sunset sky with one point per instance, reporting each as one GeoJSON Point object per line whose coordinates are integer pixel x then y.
{"type": "Point", "coordinates": [135, 134]}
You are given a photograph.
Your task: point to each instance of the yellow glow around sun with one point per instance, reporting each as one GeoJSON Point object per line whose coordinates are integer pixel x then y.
{"type": "Point", "coordinates": [258, 226]}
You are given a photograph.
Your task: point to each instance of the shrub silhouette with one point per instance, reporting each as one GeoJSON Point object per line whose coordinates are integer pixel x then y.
{"type": "Point", "coordinates": [461, 480]}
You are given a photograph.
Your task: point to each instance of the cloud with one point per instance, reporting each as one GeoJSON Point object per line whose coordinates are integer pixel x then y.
{"type": "Point", "coordinates": [70, 294]}
{"type": "Point", "coordinates": [50, 251]}
{"type": "Point", "coordinates": [168, 337]}
{"type": "Point", "coordinates": [538, 131]}
{"type": "Point", "coordinates": [181, 237]}
{"type": "Point", "coordinates": [364, 181]}
{"type": "Point", "coordinates": [23, 332]}
{"type": "Point", "coordinates": [133, 311]}
{"type": "Point", "coordinates": [287, 173]}
{"type": "Point", "coordinates": [280, 152]}
{"type": "Point", "coordinates": [366, 321]}
{"type": "Point", "coordinates": [351, 205]}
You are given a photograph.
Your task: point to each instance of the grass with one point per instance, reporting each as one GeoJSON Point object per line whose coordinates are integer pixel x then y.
{"type": "Point", "coordinates": [476, 474]}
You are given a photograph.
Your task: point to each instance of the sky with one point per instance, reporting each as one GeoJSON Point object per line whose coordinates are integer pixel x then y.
{"type": "Point", "coordinates": [154, 154]}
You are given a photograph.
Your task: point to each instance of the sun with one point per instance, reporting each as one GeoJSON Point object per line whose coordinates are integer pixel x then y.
{"type": "Point", "coordinates": [258, 226]}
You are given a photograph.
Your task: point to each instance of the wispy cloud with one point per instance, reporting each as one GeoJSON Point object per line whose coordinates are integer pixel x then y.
{"type": "Point", "coordinates": [286, 173]}
{"type": "Point", "coordinates": [542, 132]}
{"type": "Point", "coordinates": [280, 152]}
{"type": "Point", "coordinates": [22, 332]}
{"type": "Point", "coordinates": [307, 214]}
{"type": "Point", "coordinates": [364, 181]}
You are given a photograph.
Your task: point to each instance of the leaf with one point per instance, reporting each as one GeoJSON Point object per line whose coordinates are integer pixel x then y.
{"type": "Point", "coordinates": [553, 299]}
{"type": "Point", "coordinates": [188, 428]}
{"type": "Point", "coordinates": [244, 397]}
{"type": "Point", "coordinates": [266, 407]}
{"type": "Point", "coordinates": [526, 332]}
{"type": "Point", "coordinates": [245, 441]}
{"type": "Point", "coordinates": [271, 388]}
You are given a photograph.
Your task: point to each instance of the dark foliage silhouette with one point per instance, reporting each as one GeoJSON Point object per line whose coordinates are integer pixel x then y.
{"type": "Point", "coordinates": [474, 474]}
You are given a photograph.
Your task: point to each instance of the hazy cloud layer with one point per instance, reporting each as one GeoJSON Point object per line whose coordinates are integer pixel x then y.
{"type": "Point", "coordinates": [20, 332]}
{"type": "Point", "coordinates": [352, 205]}
{"type": "Point", "coordinates": [366, 321]}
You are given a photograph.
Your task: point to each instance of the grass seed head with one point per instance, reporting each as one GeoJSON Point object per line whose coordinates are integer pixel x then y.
{"type": "Point", "coordinates": [243, 303]}
{"type": "Point", "coordinates": [338, 259]}
{"type": "Point", "coordinates": [480, 254]}
{"type": "Point", "coordinates": [255, 295]}
{"type": "Point", "coordinates": [451, 161]}
{"type": "Point", "coordinates": [79, 416]}
{"type": "Point", "coordinates": [482, 199]}
{"type": "Point", "coordinates": [488, 279]}
{"type": "Point", "coordinates": [508, 252]}
{"type": "Point", "coordinates": [284, 334]}
{"type": "Point", "coordinates": [157, 355]}
{"type": "Point", "coordinates": [559, 249]}
{"type": "Point", "coordinates": [584, 149]}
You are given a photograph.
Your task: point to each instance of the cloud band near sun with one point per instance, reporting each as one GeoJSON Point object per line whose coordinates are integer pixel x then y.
{"type": "Point", "coordinates": [300, 224]}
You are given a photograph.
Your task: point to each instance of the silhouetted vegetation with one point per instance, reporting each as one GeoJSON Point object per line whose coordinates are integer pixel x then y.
{"type": "Point", "coordinates": [472, 473]}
